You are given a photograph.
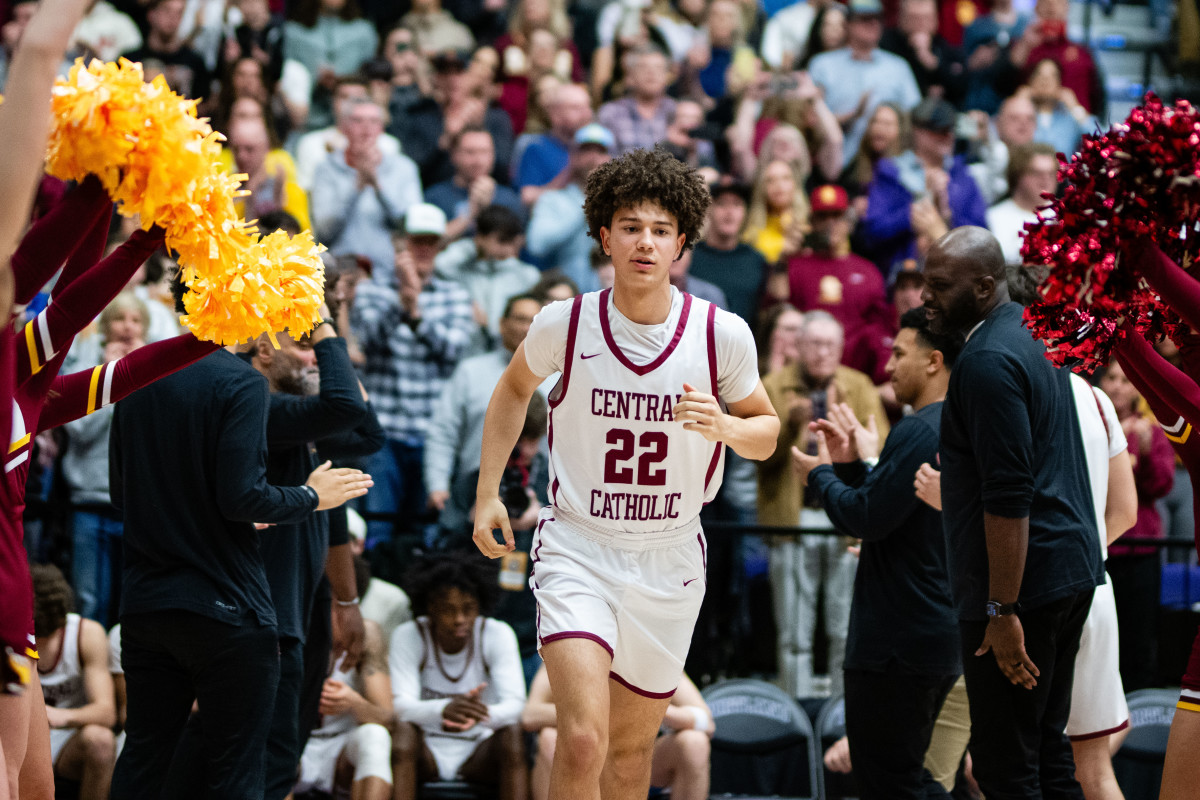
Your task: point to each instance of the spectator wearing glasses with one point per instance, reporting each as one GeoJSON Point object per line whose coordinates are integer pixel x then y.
{"type": "Point", "coordinates": [802, 393]}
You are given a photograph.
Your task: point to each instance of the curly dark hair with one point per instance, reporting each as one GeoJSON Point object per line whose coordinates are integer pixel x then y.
{"type": "Point", "coordinates": [52, 599]}
{"type": "Point", "coordinates": [469, 573]}
{"type": "Point", "coordinates": [647, 176]}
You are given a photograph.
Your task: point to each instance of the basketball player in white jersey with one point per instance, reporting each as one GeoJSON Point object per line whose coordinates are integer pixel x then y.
{"type": "Point", "coordinates": [655, 383]}
{"type": "Point", "coordinates": [77, 685]}
{"type": "Point", "coordinates": [458, 685]}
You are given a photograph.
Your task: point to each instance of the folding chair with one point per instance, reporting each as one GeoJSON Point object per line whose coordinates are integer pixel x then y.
{"type": "Point", "coordinates": [764, 744]}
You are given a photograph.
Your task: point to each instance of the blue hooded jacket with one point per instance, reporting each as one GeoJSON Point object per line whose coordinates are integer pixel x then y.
{"type": "Point", "coordinates": [886, 232]}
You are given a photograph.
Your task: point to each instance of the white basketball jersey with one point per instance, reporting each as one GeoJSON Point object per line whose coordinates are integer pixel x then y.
{"type": "Point", "coordinates": [1103, 439]}
{"type": "Point", "coordinates": [619, 462]}
{"type": "Point", "coordinates": [449, 674]}
{"type": "Point", "coordinates": [63, 685]}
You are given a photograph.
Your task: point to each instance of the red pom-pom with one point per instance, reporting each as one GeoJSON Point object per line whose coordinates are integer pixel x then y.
{"type": "Point", "coordinates": [1140, 180]}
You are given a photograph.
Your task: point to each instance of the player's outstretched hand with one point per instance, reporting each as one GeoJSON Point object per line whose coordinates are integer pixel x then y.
{"type": "Point", "coordinates": [491, 514]}
{"type": "Point", "coordinates": [335, 486]}
{"type": "Point", "coordinates": [701, 413]}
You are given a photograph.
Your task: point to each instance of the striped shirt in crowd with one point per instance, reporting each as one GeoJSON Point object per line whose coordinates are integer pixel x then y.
{"type": "Point", "coordinates": [408, 361]}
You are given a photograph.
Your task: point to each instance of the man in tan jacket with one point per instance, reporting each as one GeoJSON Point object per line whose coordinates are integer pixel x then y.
{"type": "Point", "coordinates": [799, 568]}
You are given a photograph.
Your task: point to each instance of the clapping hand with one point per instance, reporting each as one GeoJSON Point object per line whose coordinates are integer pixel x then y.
{"type": "Point", "coordinates": [803, 463]}
{"type": "Point", "coordinates": [464, 711]}
{"type": "Point", "coordinates": [864, 438]}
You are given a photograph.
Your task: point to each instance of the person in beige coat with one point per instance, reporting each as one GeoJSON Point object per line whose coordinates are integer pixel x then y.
{"type": "Point", "coordinates": [800, 567]}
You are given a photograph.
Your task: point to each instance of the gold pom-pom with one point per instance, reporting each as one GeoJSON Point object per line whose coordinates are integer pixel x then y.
{"type": "Point", "coordinates": [160, 162]}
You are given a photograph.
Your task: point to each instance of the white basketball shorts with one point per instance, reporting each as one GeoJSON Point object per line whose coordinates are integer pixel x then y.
{"type": "Point", "coordinates": [1098, 705]}
{"type": "Point", "coordinates": [636, 597]}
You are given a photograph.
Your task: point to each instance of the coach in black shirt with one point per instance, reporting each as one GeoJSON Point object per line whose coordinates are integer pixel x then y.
{"type": "Point", "coordinates": [188, 469]}
{"type": "Point", "coordinates": [902, 651]}
{"type": "Point", "coordinates": [1024, 552]}
{"type": "Point", "coordinates": [296, 556]}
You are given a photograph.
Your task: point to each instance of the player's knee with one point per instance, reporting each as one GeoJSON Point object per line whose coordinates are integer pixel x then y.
{"type": "Point", "coordinates": [406, 742]}
{"type": "Point", "coordinates": [583, 749]}
{"type": "Point", "coordinates": [99, 744]}
{"type": "Point", "coordinates": [630, 759]}
{"type": "Point", "coordinates": [694, 749]}
{"type": "Point", "coordinates": [373, 738]}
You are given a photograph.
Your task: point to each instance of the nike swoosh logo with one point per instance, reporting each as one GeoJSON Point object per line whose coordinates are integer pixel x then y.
{"type": "Point", "coordinates": [593, 355]}
{"type": "Point", "coordinates": [685, 583]}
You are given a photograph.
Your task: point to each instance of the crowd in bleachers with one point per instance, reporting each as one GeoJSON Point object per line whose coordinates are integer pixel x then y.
{"type": "Point", "coordinates": [440, 148]}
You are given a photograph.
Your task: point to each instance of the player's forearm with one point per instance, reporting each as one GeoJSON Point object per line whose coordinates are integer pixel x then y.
{"type": "Point", "coordinates": [1007, 544]}
{"type": "Point", "coordinates": [365, 712]}
{"type": "Point", "coordinates": [25, 118]}
{"type": "Point", "coordinates": [102, 714]}
{"type": "Point", "coordinates": [752, 437]}
{"type": "Point", "coordinates": [501, 427]}
{"type": "Point", "coordinates": [339, 569]}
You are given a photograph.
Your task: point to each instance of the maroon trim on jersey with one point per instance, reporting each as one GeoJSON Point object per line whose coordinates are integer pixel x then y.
{"type": "Point", "coordinates": [1083, 737]}
{"type": "Point", "coordinates": [550, 447]}
{"type": "Point", "coordinates": [712, 378]}
{"type": "Point", "coordinates": [560, 389]}
{"type": "Point", "coordinates": [652, 695]}
{"type": "Point", "coordinates": [554, 637]}
{"type": "Point", "coordinates": [541, 523]}
{"type": "Point", "coordinates": [559, 393]}
{"type": "Point", "coordinates": [711, 334]}
{"type": "Point", "coordinates": [657, 362]}
{"type": "Point", "coordinates": [533, 562]}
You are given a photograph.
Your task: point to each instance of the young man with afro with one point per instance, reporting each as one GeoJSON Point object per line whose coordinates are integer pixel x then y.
{"type": "Point", "coordinates": [458, 687]}
{"type": "Point", "coordinates": [655, 383]}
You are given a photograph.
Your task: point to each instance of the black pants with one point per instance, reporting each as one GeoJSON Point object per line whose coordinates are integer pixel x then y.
{"type": "Point", "coordinates": [171, 658]}
{"type": "Point", "coordinates": [889, 719]}
{"type": "Point", "coordinates": [1136, 582]}
{"type": "Point", "coordinates": [1019, 744]}
{"type": "Point", "coordinates": [317, 645]}
{"type": "Point", "coordinates": [283, 743]}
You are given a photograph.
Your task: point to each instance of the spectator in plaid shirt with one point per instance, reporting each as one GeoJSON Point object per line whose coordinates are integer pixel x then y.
{"type": "Point", "coordinates": [641, 119]}
{"type": "Point", "coordinates": [412, 335]}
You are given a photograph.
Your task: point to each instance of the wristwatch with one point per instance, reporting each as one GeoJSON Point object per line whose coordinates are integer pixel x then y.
{"type": "Point", "coordinates": [995, 609]}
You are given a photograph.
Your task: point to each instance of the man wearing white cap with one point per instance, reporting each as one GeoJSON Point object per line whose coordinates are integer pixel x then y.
{"type": "Point", "coordinates": [412, 334]}
{"type": "Point", "coordinates": [557, 233]}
